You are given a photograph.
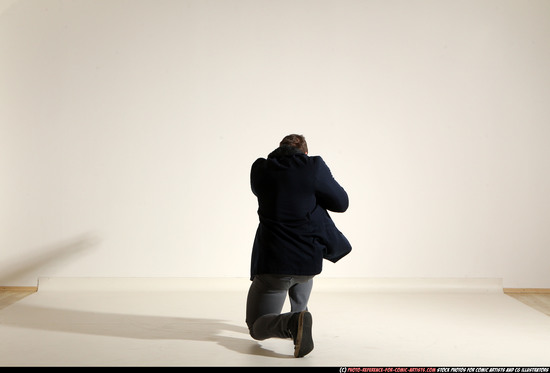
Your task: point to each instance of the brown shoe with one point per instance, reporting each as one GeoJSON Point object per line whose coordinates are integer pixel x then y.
{"type": "Point", "coordinates": [300, 328]}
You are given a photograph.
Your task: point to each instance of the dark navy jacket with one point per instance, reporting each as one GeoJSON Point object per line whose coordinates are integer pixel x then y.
{"type": "Point", "coordinates": [295, 232]}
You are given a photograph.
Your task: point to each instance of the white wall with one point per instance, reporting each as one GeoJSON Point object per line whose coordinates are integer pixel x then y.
{"type": "Point", "coordinates": [128, 128]}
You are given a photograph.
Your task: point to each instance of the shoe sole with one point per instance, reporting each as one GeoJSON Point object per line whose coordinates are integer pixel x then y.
{"type": "Point", "coordinates": [304, 340]}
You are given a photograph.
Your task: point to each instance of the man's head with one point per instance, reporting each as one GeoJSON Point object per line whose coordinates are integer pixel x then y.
{"type": "Point", "coordinates": [297, 141]}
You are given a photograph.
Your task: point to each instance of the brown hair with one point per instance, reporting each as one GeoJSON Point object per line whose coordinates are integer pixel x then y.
{"type": "Point", "coordinates": [297, 141]}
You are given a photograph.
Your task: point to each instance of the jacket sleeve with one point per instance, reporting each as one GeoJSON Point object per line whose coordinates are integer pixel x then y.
{"type": "Point", "coordinates": [334, 244]}
{"type": "Point", "coordinates": [254, 175]}
{"type": "Point", "coordinates": [330, 195]}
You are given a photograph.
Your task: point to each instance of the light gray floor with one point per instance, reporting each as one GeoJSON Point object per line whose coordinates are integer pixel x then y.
{"type": "Point", "coordinates": [68, 323]}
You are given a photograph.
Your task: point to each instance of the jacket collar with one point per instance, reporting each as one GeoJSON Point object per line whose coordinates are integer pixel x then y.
{"type": "Point", "coordinates": [284, 151]}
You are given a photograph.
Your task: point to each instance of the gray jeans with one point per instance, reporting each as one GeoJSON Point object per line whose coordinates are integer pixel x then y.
{"type": "Point", "coordinates": [266, 298]}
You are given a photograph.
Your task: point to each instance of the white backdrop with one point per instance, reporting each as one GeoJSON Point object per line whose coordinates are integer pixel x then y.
{"type": "Point", "coordinates": [128, 128]}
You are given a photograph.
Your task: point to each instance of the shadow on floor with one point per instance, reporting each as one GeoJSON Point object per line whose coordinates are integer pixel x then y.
{"type": "Point", "coordinates": [136, 327]}
{"type": "Point", "coordinates": [45, 257]}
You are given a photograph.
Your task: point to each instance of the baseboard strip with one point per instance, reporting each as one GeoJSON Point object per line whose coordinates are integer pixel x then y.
{"type": "Point", "coordinates": [24, 289]}
{"type": "Point", "coordinates": [526, 290]}
{"type": "Point", "coordinates": [27, 289]}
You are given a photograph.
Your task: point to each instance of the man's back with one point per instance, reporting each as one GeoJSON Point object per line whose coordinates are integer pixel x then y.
{"type": "Point", "coordinates": [290, 187]}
